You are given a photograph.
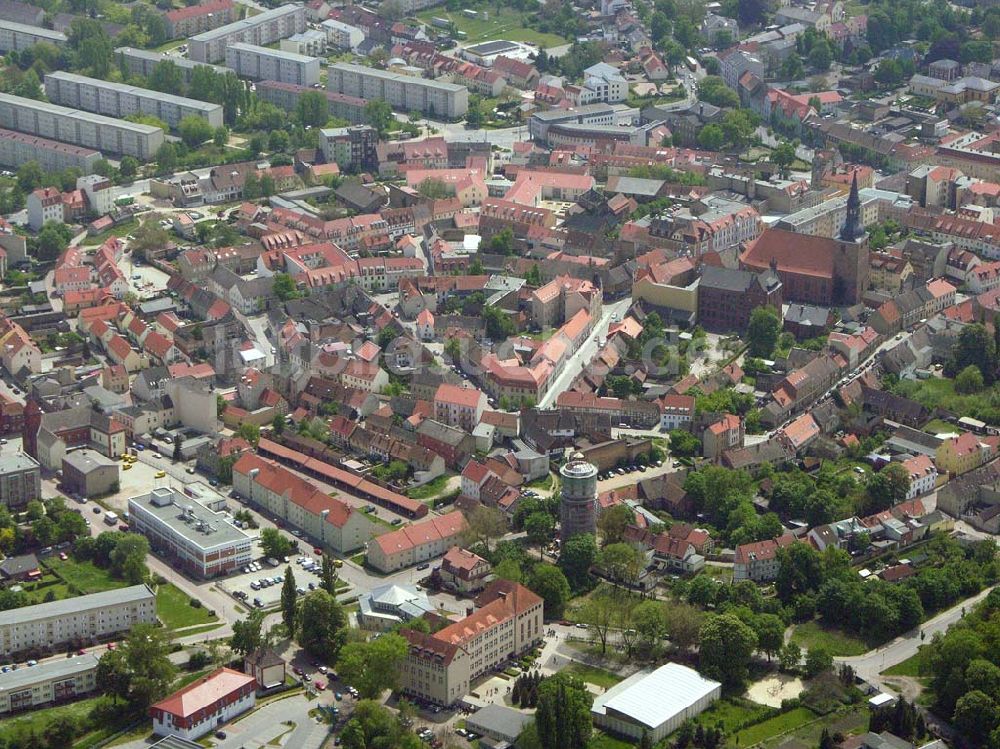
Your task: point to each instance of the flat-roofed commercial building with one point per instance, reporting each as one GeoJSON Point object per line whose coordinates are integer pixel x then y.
{"type": "Point", "coordinates": [105, 134]}
{"type": "Point", "coordinates": [53, 156]}
{"type": "Point", "coordinates": [178, 526]}
{"type": "Point", "coordinates": [263, 29]}
{"type": "Point", "coordinates": [71, 621]}
{"type": "Point", "coordinates": [121, 100]}
{"type": "Point", "coordinates": [58, 680]}
{"type": "Point", "coordinates": [654, 702]}
{"type": "Point", "coordinates": [404, 92]}
{"type": "Point", "coordinates": [143, 62]}
{"type": "Point", "coordinates": [16, 36]}
{"type": "Point", "coordinates": [286, 96]}
{"type": "Point", "coordinates": [263, 64]}
{"type": "Point", "coordinates": [20, 480]}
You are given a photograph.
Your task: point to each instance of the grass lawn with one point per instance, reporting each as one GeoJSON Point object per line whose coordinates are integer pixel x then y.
{"type": "Point", "coordinates": [836, 642]}
{"type": "Point", "coordinates": [38, 719]}
{"type": "Point", "coordinates": [937, 426]}
{"type": "Point", "coordinates": [767, 729]}
{"type": "Point", "coordinates": [910, 667]}
{"type": "Point", "coordinates": [543, 483]}
{"type": "Point", "coordinates": [119, 230]}
{"type": "Point", "coordinates": [85, 577]}
{"type": "Point", "coordinates": [200, 629]}
{"type": "Point", "coordinates": [597, 676]}
{"type": "Point", "coordinates": [174, 608]}
{"type": "Point", "coordinates": [728, 714]}
{"type": "Point", "coordinates": [939, 392]}
{"type": "Point", "coordinates": [430, 490]}
{"type": "Point", "coordinates": [852, 720]}
{"type": "Point", "coordinates": [605, 741]}
{"type": "Point", "coordinates": [509, 23]}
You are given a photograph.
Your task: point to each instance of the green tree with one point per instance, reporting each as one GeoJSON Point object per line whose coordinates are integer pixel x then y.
{"type": "Point", "coordinates": [613, 521]}
{"type": "Point", "coordinates": [789, 657]}
{"type": "Point", "coordinates": [577, 555]}
{"type": "Point", "coordinates": [378, 114]}
{"type": "Point", "coordinates": [374, 666]}
{"type": "Point", "coordinates": [312, 109]}
{"type": "Point", "coordinates": [247, 634]}
{"type": "Point", "coordinates": [969, 380]}
{"type": "Point", "coordinates": [166, 77]}
{"type": "Point", "coordinates": [474, 113]}
{"type": "Point", "coordinates": [727, 645]}
{"type": "Point", "coordinates": [373, 726]}
{"type": "Point", "coordinates": [166, 158]}
{"type": "Point", "coordinates": [622, 563]}
{"type": "Point", "coordinates": [770, 634]}
{"type": "Point", "coordinates": [563, 717]}
{"type": "Point", "coordinates": [322, 626]}
{"type": "Point", "coordinates": [711, 138]}
{"type": "Point", "coordinates": [683, 444]}
{"type": "Point", "coordinates": [820, 56]}
{"type": "Point", "coordinates": [275, 544]}
{"type": "Point", "coordinates": [284, 287]}
{"type": "Point", "coordinates": [128, 558]}
{"type": "Point", "coordinates": [818, 661]}
{"type": "Point", "coordinates": [782, 156]}
{"type": "Point", "coordinates": [501, 243]}
{"type": "Point", "coordinates": [763, 331]}
{"type": "Point", "coordinates": [434, 189]}
{"type": "Point", "coordinates": [975, 347]}
{"type": "Point", "coordinates": [328, 576]}
{"type": "Point", "coordinates": [539, 526]}
{"type": "Point", "coordinates": [289, 602]}
{"type": "Point", "coordinates": [148, 236]}
{"type": "Point", "coordinates": [139, 671]}
{"type": "Point", "coordinates": [485, 525]}
{"type": "Point", "coordinates": [888, 487]}
{"type": "Point", "coordinates": [278, 424]}
{"type": "Point", "coordinates": [52, 240]}
{"type": "Point", "coordinates": [249, 432]}
{"type": "Point", "coordinates": [975, 715]}
{"type": "Point", "coordinates": [550, 583]}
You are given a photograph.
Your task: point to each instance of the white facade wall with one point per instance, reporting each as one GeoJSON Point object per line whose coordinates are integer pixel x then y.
{"type": "Point", "coordinates": [263, 64]}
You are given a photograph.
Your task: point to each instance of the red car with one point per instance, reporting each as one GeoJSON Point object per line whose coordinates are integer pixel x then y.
{"type": "Point", "coordinates": [111, 646]}
{"type": "Point", "coordinates": [297, 671]}
{"type": "Point", "coordinates": [317, 551]}
{"type": "Point", "coordinates": [81, 651]}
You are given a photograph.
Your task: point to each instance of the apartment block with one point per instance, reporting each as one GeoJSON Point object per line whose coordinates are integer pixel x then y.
{"type": "Point", "coordinates": [87, 129]}
{"type": "Point", "coordinates": [143, 62]}
{"type": "Point", "coordinates": [98, 616]}
{"type": "Point", "coordinates": [415, 543]}
{"type": "Point", "coordinates": [54, 681]}
{"type": "Point", "coordinates": [194, 19]}
{"type": "Point", "coordinates": [20, 480]}
{"type": "Point", "coordinates": [350, 147]}
{"type": "Point", "coordinates": [286, 96]}
{"type": "Point", "coordinates": [188, 532]}
{"type": "Point", "coordinates": [121, 100]}
{"type": "Point", "coordinates": [15, 37]}
{"type": "Point", "coordinates": [263, 64]}
{"type": "Point", "coordinates": [298, 502]}
{"type": "Point", "coordinates": [263, 29]}
{"type": "Point", "coordinates": [403, 92]}
{"type": "Point", "coordinates": [51, 155]}
{"type": "Point", "coordinates": [441, 667]}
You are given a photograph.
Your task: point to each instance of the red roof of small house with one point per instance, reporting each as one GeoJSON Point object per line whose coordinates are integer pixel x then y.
{"type": "Point", "coordinates": [204, 693]}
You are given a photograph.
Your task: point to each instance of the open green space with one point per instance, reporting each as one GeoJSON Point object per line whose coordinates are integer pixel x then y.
{"type": "Point", "coordinates": [937, 426]}
{"type": "Point", "coordinates": [912, 666]}
{"type": "Point", "coordinates": [812, 635]}
{"type": "Point", "coordinates": [853, 720]}
{"type": "Point", "coordinates": [38, 719]}
{"type": "Point", "coordinates": [174, 608]}
{"type": "Point", "coordinates": [596, 676]}
{"type": "Point", "coordinates": [730, 714]}
{"type": "Point", "coordinates": [779, 724]}
{"type": "Point", "coordinates": [502, 23]}
{"type": "Point", "coordinates": [430, 490]}
{"type": "Point", "coordinates": [82, 578]}
{"type": "Point", "coordinates": [938, 392]}
{"type": "Point", "coordinates": [119, 230]}
{"type": "Point", "coordinates": [606, 741]}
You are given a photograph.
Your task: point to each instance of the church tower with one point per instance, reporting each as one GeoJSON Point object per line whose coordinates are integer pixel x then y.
{"type": "Point", "coordinates": [854, 226]}
{"type": "Point", "coordinates": [851, 260]}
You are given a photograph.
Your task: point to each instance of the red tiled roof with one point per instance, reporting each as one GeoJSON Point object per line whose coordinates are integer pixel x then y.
{"type": "Point", "coordinates": [204, 693]}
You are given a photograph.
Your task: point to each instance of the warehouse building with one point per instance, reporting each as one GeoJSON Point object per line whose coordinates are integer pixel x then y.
{"type": "Point", "coordinates": [105, 134]}
{"type": "Point", "coordinates": [20, 480]}
{"type": "Point", "coordinates": [143, 62]}
{"type": "Point", "coordinates": [16, 36]}
{"type": "Point", "coordinates": [654, 702]}
{"type": "Point", "coordinates": [89, 474]}
{"type": "Point", "coordinates": [121, 100]}
{"type": "Point", "coordinates": [262, 29]}
{"type": "Point", "coordinates": [403, 92]}
{"type": "Point", "coordinates": [196, 537]}
{"type": "Point", "coordinates": [55, 681]}
{"type": "Point", "coordinates": [263, 64]}
{"type": "Point", "coordinates": [51, 155]}
{"type": "Point", "coordinates": [286, 96]}
{"type": "Point", "coordinates": [72, 621]}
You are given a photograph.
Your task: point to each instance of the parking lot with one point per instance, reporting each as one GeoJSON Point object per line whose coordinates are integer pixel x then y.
{"type": "Point", "coordinates": [263, 582]}
{"type": "Point", "coordinates": [143, 279]}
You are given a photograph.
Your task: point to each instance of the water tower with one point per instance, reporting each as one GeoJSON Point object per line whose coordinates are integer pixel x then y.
{"type": "Point", "coordinates": [578, 508]}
